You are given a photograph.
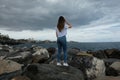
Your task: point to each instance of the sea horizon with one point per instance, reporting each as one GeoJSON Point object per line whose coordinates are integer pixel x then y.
{"type": "Point", "coordinates": [85, 46]}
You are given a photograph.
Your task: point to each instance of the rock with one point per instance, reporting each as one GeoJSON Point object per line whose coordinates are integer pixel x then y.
{"type": "Point", "coordinates": [52, 72]}
{"type": "Point", "coordinates": [4, 53]}
{"type": "Point", "coordinates": [40, 55]}
{"type": "Point", "coordinates": [41, 51]}
{"type": "Point", "coordinates": [107, 53]}
{"type": "Point", "coordinates": [0, 47]}
{"type": "Point", "coordinates": [7, 48]}
{"type": "Point", "coordinates": [92, 67]}
{"type": "Point", "coordinates": [21, 57]}
{"type": "Point", "coordinates": [73, 51]}
{"type": "Point", "coordinates": [9, 76]}
{"type": "Point", "coordinates": [25, 54]}
{"type": "Point", "coordinates": [51, 51]}
{"type": "Point", "coordinates": [110, 51]}
{"type": "Point", "coordinates": [76, 48]}
{"type": "Point", "coordinates": [39, 59]}
{"type": "Point", "coordinates": [27, 57]}
{"type": "Point", "coordinates": [111, 72]}
{"type": "Point", "coordinates": [2, 57]}
{"type": "Point", "coordinates": [113, 53]}
{"type": "Point", "coordinates": [112, 69]}
{"type": "Point", "coordinates": [17, 59]}
{"type": "Point", "coordinates": [97, 69]}
{"type": "Point", "coordinates": [100, 54]}
{"type": "Point", "coordinates": [20, 78]}
{"type": "Point", "coordinates": [108, 78]}
{"type": "Point", "coordinates": [84, 53]}
{"type": "Point", "coordinates": [36, 48]}
{"type": "Point", "coordinates": [52, 59]}
{"type": "Point", "coordinates": [7, 66]}
{"type": "Point", "coordinates": [109, 61]}
{"type": "Point", "coordinates": [116, 66]}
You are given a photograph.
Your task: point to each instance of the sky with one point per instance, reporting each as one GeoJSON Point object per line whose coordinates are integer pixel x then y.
{"type": "Point", "coordinates": [92, 20]}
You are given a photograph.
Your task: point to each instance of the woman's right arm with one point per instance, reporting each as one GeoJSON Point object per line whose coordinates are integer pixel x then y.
{"type": "Point", "coordinates": [56, 34]}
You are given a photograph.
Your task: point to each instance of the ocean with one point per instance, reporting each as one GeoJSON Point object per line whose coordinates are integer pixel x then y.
{"type": "Point", "coordinates": [82, 45]}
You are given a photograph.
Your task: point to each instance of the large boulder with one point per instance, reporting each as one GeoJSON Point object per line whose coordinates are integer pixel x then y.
{"type": "Point", "coordinates": [7, 66]}
{"type": "Point", "coordinates": [111, 72]}
{"type": "Point", "coordinates": [100, 54]}
{"type": "Point", "coordinates": [20, 78]}
{"type": "Point", "coordinates": [108, 78]}
{"type": "Point", "coordinates": [7, 48]}
{"type": "Point", "coordinates": [40, 56]}
{"type": "Point", "coordinates": [10, 75]}
{"type": "Point", "coordinates": [0, 46]}
{"type": "Point", "coordinates": [28, 55]}
{"type": "Point", "coordinates": [112, 67]}
{"type": "Point", "coordinates": [21, 57]}
{"type": "Point", "coordinates": [3, 52]}
{"type": "Point", "coordinates": [113, 53]}
{"type": "Point", "coordinates": [116, 66]}
{"type": "Point", "coordinates": [92, 67]}
{"type": "Point", "coordinates": [51, 51]}
{"type": "Point", "coordinates": [110, 51]}
{"type": "Point", "coordinates": [73, 51]}
{"type": "Point", "coordinates": [109, 61]}
{"type": "Point", "coordinates": [36, 48]}
{"type": "Point", "coordinates": [52, 72]}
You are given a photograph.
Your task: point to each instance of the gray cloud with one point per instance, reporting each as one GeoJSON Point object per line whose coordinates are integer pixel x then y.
{"type": "Point", "coordinates": [40, 14]}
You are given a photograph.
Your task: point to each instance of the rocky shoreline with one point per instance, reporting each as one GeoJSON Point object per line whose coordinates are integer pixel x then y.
{"type": "Point", "coordinates": [39, 63]}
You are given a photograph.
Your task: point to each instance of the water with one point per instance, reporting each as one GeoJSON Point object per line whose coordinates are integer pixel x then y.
{"type": "Point", "coordinates": [81, 46]}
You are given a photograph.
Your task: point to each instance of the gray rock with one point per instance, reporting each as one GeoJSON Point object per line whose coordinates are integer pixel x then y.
{"type": "Point", "coordinates": [97, 69]}
{"type": "Point", "coordinates": [100, 54]}
{"type": "Point", "coordinates": [92, 67]}
{"type": "Point", "coordinates": [51, 51]}
{"type": "Point", "coordinates": [52, 72]}
{"type": "Point", "coordinates": [20, 78]}
{"type": "Point", "coordinates": [0, 47]}
{"type": "Point", "coordinates": [21, 57]}
{"type": "Point", "coordinates": [40, 55]}
{"type": "Point", "coordinates": [35, 48]}
{"type": "Point", "coordinates": [108, 78]}
{"type": "Point", "coordinates": [113, 53]}
{"type": "Point", "coordinates": [7, 48]}
{"type": "Point", "coordinates": [7, 66]}
{"type": "Point", "coordinates": [116, 66]}
{"type": "Point", "coordinates": [73, 51]}
{"type": "Point", "coordinates": [111, 72]}
{"type": "Point", "coordinates": [9, 76]}
{"type": "Point", "coordinates": [41, 51]}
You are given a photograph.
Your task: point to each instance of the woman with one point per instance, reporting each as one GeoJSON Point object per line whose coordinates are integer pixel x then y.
{"type": "Point", "coordinates": [61, 32]}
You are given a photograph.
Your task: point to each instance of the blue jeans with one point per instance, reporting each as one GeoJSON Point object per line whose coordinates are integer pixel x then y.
{"type": "Point", "coordinates": [62, 44]}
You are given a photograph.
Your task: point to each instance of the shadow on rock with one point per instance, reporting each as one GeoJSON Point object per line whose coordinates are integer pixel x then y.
{"type": "Point", "coordinates": [52, 72]}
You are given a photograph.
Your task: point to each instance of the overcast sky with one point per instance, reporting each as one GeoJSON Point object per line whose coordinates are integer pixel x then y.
{"type": "Point", "coordinates": [92, 20]}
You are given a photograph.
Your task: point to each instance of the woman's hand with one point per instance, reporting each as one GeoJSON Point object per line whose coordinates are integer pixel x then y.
{"type": "Point", "coordinates": [70, 26]}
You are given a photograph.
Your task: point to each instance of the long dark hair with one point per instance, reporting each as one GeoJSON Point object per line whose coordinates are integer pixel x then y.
{"type": "Point", "coordinates": [61, 23]}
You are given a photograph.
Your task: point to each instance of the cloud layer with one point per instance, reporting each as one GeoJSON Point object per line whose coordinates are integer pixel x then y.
{"type": "Point", "coordinates": [93, 20]}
